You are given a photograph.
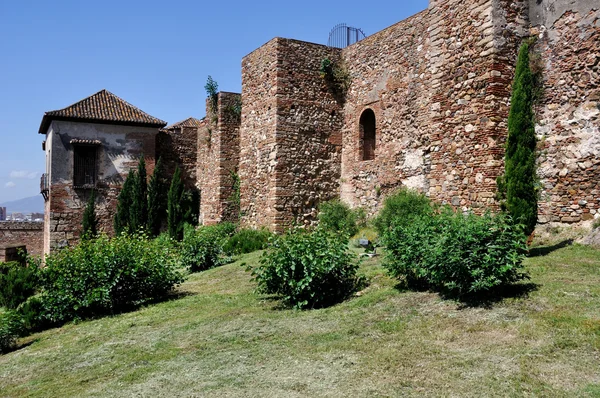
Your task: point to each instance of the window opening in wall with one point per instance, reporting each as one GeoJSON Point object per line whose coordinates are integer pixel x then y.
{"type": "Point", "coordinates": [84, 165]}
{"type": "Point", "coordinates": [367, 135]}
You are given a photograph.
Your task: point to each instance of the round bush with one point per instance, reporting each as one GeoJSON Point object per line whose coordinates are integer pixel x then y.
{"type": "Point", "coordinates": [401, 208]}
{"type": "Point", "coordinates": [455, 253]}
{"type": "Point", "coordinates": [336, 216]}
{"type": "Point", "coordinates": [104, 276]}
{"type": "Point", "coordinates": [308, 269]}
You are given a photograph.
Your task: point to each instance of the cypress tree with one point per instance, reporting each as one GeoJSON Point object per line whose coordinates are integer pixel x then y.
{"type": "Point", "coordinates": [520, 180]}
{"type": "Point", "coordinates": [156, 200]}
{"type": "Point", "coordinates": [122, 217]}
{"type": "Point", "coordinates": [138, 214]}
{"type": "Point", "coordinates": [90, 222]}
{"type": "Point", "coordinates": [174, 206]}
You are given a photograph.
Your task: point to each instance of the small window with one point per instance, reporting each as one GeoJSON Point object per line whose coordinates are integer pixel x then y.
{"type": "Point", "coordinates": [367, 135]}
{"type": "Point", "coordinates": [84, 165]}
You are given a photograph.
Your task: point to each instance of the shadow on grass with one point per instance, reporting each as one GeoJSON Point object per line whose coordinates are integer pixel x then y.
{"type": "Point", "coordinates": [481, 300]}
{"type": "Point", "coordinates": [516, 290]}
{"type": "Point", "coordinates": [545, 250]}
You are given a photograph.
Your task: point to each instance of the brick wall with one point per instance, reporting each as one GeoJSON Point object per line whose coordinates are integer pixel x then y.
{"type": "Point", "coordinates": [30, 234]}
{"type": "Point", "coordinates": [179, 147]}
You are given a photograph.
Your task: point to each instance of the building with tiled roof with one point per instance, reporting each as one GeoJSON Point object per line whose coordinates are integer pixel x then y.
{"type": "Point", "coordinates": [91, 145]}
{"type": "Point", "coordinates": [189, 122]}
{"type": "Point", "coordinates": [102, 107]}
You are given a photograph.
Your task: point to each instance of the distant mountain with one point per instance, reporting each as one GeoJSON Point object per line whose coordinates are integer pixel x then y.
{"type": "Point", "coordinates": [32, 204]}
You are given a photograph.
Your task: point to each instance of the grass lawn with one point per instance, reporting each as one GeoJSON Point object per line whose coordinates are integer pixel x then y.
{"type": "Point", "coordinates": [221, 340]}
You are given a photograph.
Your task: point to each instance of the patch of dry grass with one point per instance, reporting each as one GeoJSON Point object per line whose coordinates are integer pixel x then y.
{"type": "Point", "coordinates": [220, 339]}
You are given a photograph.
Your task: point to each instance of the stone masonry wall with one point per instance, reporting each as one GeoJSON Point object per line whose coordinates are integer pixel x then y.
{"type": "Point", "coordinates": [290, 136]}
{"type": "Point", "coordinates": [257, 136]}
{"type": "Point", "coordinates": [30, 234]}
{"type": "Point", "coordinates": [308, 133]}
{"type": "Point", "coordinates": [439, 85]}
{"type": "Point", "coordinates": [179, 147]}
{"type": "Point", "coordinates": [569, 115]}
{"type": "Point", "coordinates": [218, 160]}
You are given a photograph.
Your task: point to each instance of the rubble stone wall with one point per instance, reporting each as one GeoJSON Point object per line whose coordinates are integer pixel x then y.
{"type": "Point", "coordinates": [439, 85]}
{"type": "Point", "coordinates": [258, 151]}
{"type": "Point", "coordinates": [218, 160]}
{"type": "Point", "coordinates": [568, 117]}
{"type": "Point", "coordinates": [308, 133]}
{"type": "Point", "coordinates": [30, 234]}
{"type": "Point", "coordinates": [179, 147]}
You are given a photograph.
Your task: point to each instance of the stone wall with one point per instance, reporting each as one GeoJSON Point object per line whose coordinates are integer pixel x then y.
{"type": "Point", "coordinates": [569, 114]}
{"type": "Point", "coordinates": [179, 147]}
{"type": "Point", "coordinates": [439, 85]}
{"type": "Point", "coordinates": [218, 160]}
{"type": "Point", "coordinates": [291, 123]}
{"type": "Point", "coordinates": [257, 136]}
{"type": "Point", "coordinates": [30, 234]}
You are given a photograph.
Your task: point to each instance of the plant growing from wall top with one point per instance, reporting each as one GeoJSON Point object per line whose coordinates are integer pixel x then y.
{"type": "Point", "coordinates": [121, 221]}
{"type": "Point", "coordinates": [90, 221]}
{"type": "Point", "coordinates": [337, 78]}
{"type": "Point", "coordinates": [521, 178]}
{"type": "Point", "coordinates": [156, 200]}
{"type": "Point", "coordinates": [138, 214]}
{"type": "Point", "coordinates": [212, 90]}
{"type": "Point", "coordinates": [175, 210]}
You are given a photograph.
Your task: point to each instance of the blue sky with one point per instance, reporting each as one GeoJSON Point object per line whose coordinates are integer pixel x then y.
{"type": "Point", "coordinates": [156, 55]}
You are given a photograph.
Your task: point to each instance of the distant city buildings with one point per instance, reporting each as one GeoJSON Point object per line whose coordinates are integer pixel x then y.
{"type": "Point", "coordinates": [2, 213]}
{"type": "Point", "coordinates": [39, 217]}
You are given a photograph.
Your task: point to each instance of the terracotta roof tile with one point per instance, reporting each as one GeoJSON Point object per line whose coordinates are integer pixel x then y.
{"type": "Point", "coordinates": [189, 122]}
{"type": "Point", "coordinates": [102, 107]}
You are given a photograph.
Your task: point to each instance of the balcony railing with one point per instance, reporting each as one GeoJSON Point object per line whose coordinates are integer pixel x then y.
{"type": "Point", "coordinates": [44, 186]}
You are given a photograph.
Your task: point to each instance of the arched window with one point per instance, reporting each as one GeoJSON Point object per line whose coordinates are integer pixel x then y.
{"type": "Point", "coordinates": [367, 135]}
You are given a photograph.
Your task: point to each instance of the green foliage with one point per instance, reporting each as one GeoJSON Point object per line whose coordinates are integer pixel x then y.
{"type": "Point", "coordinates": [337, 78]}
{"type": "Point", "coordinates": [247, 241]}
{"type": "Point", "coordinates": [235, 197]}
{"type": "Point", "coordinates": [456, 254]}
{"type": "Point", "coordinates": [308, 269]}
{"type": "Point", "coordinates": [175, 211]}
{"type": "Point", "coordinates": [202, 248]}
{"type": "Point", "coordinates": [212, 91]}
{"type": "Point", "coordinates": [190, 204]}
{"type": "Point", "coordinates": [90, 221]}
{"type": "Point", "coordinates": [122, 216]}
{"type": "Point", "coordinates": [520, 158]}
{"type": "Point", "coordinates": [10, 327]}
{"type": "Point", "coordinates": [17, 283]}
{"type": "Point", "coordinates": [106, 276]}
{"type": "Point", "coordinates": [336, 216]}
{"type": "Point", "coordinates": [401, 208]}
{"type": "Point", "coordinates": [157, 203]}
{"type": "Point", "coordinates": [138, 213]}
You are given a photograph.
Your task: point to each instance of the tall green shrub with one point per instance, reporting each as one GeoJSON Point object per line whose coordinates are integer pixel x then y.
{"type": "Point", "coordinates": [90, 221]}
{"type": "Point", "coordinates": [202, 248]}
{"type": "Point", "coordinates": [157, 208]}
{"type": "Point", "coordinates": [520, 179]}
{"type": "Point", "coordinates": [138, 215]}
{"type": "Point", "coordinates": [122, 216]}
{"type": "Point", "coordinates": [175, 211]}
{"type": "Point", "coordinates": [17, 283]}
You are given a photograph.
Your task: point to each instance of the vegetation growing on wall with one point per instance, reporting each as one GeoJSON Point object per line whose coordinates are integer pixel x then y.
{"type": "Point", "coordinates": [337, 77]}
{"type": "Point", "coordinates": [212, 91]}
{"type": "Point", "coordinates": [121, 221]}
